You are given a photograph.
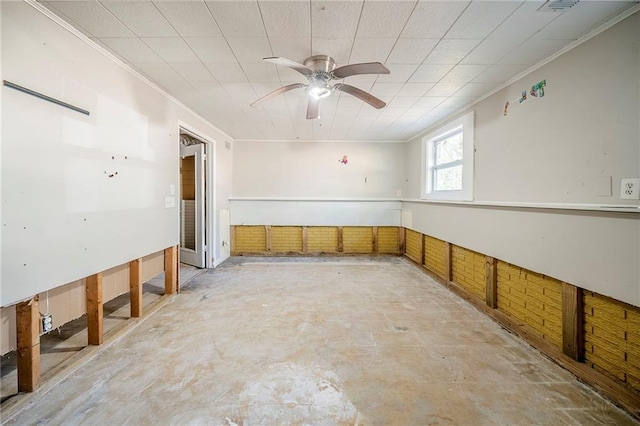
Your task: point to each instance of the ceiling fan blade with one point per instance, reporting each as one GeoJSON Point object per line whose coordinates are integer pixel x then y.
{"type": "Point", "coordinates": [361, 94]}
{"type": "Point", "coordinates": [302, 69]}
{"type": "Point", "coordinates": [312, 108]}
{"type": "Point", "coordinates": [357, 69]}
{"type": "Point", "coordinates": [277, 92]}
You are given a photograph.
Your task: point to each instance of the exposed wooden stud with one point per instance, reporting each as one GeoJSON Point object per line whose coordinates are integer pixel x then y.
{"type": "Point", "coordinates": [401, 240]}
{"type": "Point", "coordinates": [374, 239]}
{"type": "Point", "coordinates": [93, 287]}
{"type": "Point", "coordinates": [177, 266]}
{"type": "Point", "coordinates": [135, 287]}
{"type": "Point", "coordinates": [340, 239]}
{"type": "Point", "coordinates": [233, 240]}
{"type": "Point", "coordinates": [28, 345]}
{"type": "Point", "coordinates": [305, 239]}
{"type": "Point", "coordinates": [572, 322]}
{"type": "Point", "coordinates": [267, 230]}
{"type": "Point", "coordinates": [171, 270]}
{"type": "Point", "coordinates": [447, 262]}
{"type": "Point", "coordinates": [491, 281]}
{"type": "Point", "coordinates": [422, 249]}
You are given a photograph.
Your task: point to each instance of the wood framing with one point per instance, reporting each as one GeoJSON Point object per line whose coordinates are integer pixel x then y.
{"type": "Point", "coordinates": [340, 239]}
{"type": "Point", "coordinates": [491, 279]}
{"type": "Point", "coordinates": [93, 287]}
{"type": "Point", "coordinates": [401, 240]}
{"type": "Point", "coordinates": [305, 239]}
{"type": "Point", "coordinates": [28, 345]}
{"type": "Point", "coordinates": [421, 248]}
{"type": "Point", "coordinates": [267, 233]}
{"type": "Point", "coordinates": [374, 239]}
{"type": "Point", "coordinates": [171, 270]}
{"type": "Point", "coordinates": [447, 262]}
{"type": "Point", "coordinates": [572, 322]}
{"type": "Point", "coordinates": [135, 287]}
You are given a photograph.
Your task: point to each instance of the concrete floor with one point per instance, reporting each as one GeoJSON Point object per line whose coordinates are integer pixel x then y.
{"type": "Point", "coordinates": [319, 341]}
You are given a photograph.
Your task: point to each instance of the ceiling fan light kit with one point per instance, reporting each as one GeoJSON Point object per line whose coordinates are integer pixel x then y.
{"type": "Point", "coordinates": [319, 71]}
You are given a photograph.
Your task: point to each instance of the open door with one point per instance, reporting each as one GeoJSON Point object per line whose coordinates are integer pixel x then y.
{"type": "Point", "coordinates": [192, 205]}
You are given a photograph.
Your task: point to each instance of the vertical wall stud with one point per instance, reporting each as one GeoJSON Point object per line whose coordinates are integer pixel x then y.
{"type": "Point", "coordinates": [401, 240]}
{"type": "Point", "coordinates": [572, 322]}
{"type": "Point", "coordinates": [28, 345]}
{"type": "Point", "coordinates": [93, 287]}
{"type": "Point", "coordinates": [267, 230]}
{"type": "Point", "coordinates": [171, 270]}
{"type": "Point", "coordinates": [374, 239]}
{"type": "Point", "coordinates": [421, 249]}
{"type": "Point", "coordinates": [135, 287]}
{"type": "Point", "coordinates": [491, 280]}
{"type": "Point", "coordinates": [305, 239]}
{"type": "Point", "coordinates": [340, 239]}
{"type": "Point", "coordinates": [177, 268]}
{"type": "Point", "coordinates": [447, 262]}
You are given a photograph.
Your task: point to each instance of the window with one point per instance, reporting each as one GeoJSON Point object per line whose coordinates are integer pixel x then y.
{"type": "Point", "coordinates": [448, 161]}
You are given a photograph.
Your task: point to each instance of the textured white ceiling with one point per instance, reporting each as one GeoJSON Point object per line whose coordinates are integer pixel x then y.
{"type": "Point", "coordinates": [442, 55]}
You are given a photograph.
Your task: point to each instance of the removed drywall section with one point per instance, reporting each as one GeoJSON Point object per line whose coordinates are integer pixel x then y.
{"type": "Point", "coordinates": [68, 302]}
{"type": "Point", "coordinates": [8, 331]}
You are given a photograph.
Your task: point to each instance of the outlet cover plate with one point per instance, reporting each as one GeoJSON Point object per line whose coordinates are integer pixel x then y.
{"type": "Point", "coordinates": [630, 189]}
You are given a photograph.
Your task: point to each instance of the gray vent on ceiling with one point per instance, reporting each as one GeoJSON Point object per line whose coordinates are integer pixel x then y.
{"type": "Point", "coordinates": [558, 5]}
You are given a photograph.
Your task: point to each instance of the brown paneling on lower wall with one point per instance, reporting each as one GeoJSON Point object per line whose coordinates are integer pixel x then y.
{"type": "Point", "coordinates": [314, 240]}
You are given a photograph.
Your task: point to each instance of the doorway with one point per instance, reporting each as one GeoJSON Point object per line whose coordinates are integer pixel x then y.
{"type": "Point", "coordinates": [193, 200]}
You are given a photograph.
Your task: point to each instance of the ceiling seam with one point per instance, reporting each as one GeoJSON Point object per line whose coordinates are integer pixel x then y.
{"type": "Point", "coordinates": [224, 36]}
{"type": "Point", "coordinates": [387, 58]}
{"type": "Point", "coordinates": [425, 58]}
{"type": "Point", "coordinates": [188, 46]}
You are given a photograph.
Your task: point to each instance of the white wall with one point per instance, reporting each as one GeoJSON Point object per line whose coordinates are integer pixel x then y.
{"type": "Point", "coordinates": [319, 212]}
{"type": "Point", "coordinates": [304, 183]}
{"type": "Point", "coordinates": [313, 169]}
{"type": "Point", "coordinates": [557, 149]}
{"type": "Point", "coordinates": [63, 217]}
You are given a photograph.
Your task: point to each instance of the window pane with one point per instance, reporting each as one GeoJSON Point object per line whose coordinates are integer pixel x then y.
{"type": "Point", "coordinates": [449, 149]}
{"type": "Point", "coordinates": [449, 179]}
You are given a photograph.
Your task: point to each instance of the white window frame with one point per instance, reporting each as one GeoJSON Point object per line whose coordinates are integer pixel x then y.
{"type": "Point", "coordinates": [466, 122]}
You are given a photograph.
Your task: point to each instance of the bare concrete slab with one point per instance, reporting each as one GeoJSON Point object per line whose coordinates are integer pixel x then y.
{"type": "Point", "coordinates": [319, 341]}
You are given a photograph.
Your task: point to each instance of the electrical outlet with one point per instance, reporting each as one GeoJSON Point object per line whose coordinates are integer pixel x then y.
{"type": "Point", "coordinates": [630, 189]}
{"type": "Point", "coordinates": [47, 323]}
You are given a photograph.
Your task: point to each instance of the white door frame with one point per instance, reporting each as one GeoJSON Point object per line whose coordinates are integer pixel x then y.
{"type": "Point", "coordinates": [210, 188]}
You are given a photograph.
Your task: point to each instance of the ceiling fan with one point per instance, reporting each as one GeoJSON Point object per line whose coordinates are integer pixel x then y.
{"type": "Point", "coordinates": [320, 70]}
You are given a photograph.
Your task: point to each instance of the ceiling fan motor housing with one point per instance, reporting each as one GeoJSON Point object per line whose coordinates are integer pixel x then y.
{"type": "Point", "coordinates": [321, 63]}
